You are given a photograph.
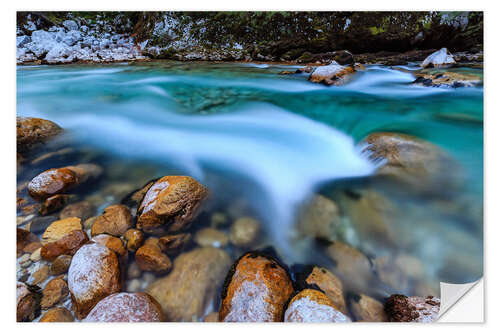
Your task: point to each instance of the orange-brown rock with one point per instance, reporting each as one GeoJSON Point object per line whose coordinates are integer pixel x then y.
{"type": "Point", "coordinates": [55, 290]}
{"type": "Point", "coordinates": [126, 307]}
{"type": "Point", "coordinates": [113, 243]}
{"type": "Point", "coordinates": [83, 210]}
{"type": "Point", "coordinates": [172, 202]}
{"type": "Point", "coordinates": [68, 244]}
{"type": "Point", "coordinates": [187, 291]}
{"type": "Point", "coordinates": [33, 131]}
{"type": "Point", "coordinates": [60, 228]}
{"type": "Point", "coordinates": [313, 306]}
{"type": "Point", "coordinates": [256, 290]}
{"type": "Point", "coordinates": [32, 247]}
{"type": "Point", "coordinates": [134, 238]}
{"type": "Point", "coordinates": [54, 203]}
{"type": "Point", "coordinates": [173, 244]}
{"type": "Point", "coordinates": [365, 308]}
{"type": "Point", "coordinates": [40, 275]}
{"type": "Point", "coordinates": [56, 315]}
{"type": "Point", "coordinates": [24, 238]}
{"type": "Point", "coordinates": [149, 257]}
{"type": "Point", "coordinates": [60, 265]}
{"type": "Point", "coordinates": [115, 220]}
{"type": "Point", "coordinates": [27, 302]}
{"type": "Point", "coordinates": [330, 285]}
{"type": "Point", "coordinates": [59, 180]}
{"type": "Point", "coordinates": [94, 274]}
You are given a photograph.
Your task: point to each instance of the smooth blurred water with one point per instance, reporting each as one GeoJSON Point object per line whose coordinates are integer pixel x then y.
{"type": "Point", "coordinates": [271, 139]}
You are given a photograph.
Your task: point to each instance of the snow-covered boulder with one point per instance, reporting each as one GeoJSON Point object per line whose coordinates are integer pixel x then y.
{"type": "Point", "coordinates": [70, 25]}
{"type": "Point", "coordinates": [439, 59]}
{"type": "Point", "coordinates": [331, 74]}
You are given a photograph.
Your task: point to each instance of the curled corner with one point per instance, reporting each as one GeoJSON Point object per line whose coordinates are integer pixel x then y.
{"type": "Point", "coordinates": [456, 294]}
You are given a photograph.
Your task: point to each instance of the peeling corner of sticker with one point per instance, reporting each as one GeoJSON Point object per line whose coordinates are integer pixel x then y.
{"type": "Point", "coordinates": [453, 295]}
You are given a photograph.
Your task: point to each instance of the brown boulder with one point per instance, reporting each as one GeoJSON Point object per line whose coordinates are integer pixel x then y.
{"type": "Point", "coordinates": [312, 306]}
{"type": "Point", "coordinates": [27, 302]}
{"type": "Point", "coordinates": [55, 290]}
{"type": "Point", "coordinates": [401, 308]}
{"type": "Point", "coordinates": [60, 265]}
{"type": "Point", "coordinates": [59, 180]}
{"type": "Point", "coordinates": [94, 273]}
{"type": "Point", "coordinates": [192, 285]}
{"type": "Point", "coordinates": [256, 290]}
{"type": "Point", "coordinates": [149, 257]}
{"type": "Point", "coordinates": [68, 244]}
{"type": "Point", "coordinates": [115, 220]}
{"type": "Point", "coordinates": [126, 307]}
{"type": "Point", "coordinates": [365, 308]}
{"type": "Point", "coordinates": [329, 284]}
{"type": "Point", "coordinates": [33, 131]}
{"type": "Point", "coordinates": [134, 238]}
{"type": "Point", "coordinates": [57, 315]}
{"type": "Point", "coordinates": [173, 202]}
{"type": "Point", "coordinates": [60, 228]}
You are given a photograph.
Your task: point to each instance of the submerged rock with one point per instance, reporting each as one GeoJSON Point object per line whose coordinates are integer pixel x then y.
{"type": "Point", "coordinates": [448, 79]}
{"type": "Point", "coordinates": [401, 308]}
{"type": "Point", "coordinates": [365, 308]}
{"type": "Point", "coordinates": [173, 244]}
{"type": "Point", "coordinates": [312, 306]}
{"type": "Point", "coordinates": [126, 307]}
{"type": "Point", "coordinates": [94, 273]}
{"type": "Point", "coordinates": [61, 264]}
{"type": "Point", "coordinates": [82, 210]}
{"type": "Point", "coordinates": [55, 290]}
{"type": "Point", "coordinates": [331, 74]}
{"type": "Point", "coordinates": [211, 237]}
{"type": "Point", "coordinates": [190, 288]}
{"type": "Point", "coordinates": [439, 59]}
{"type": "Point", "coordinates": [54, 203]}
{"type": "Point", "coordinates": [33, 131]}
{"type": "Point", "coordinates": [244, 232]}
{"type": "Point", "coordinates": [173, 202]}
{"type": "Point", "coordinates": [412, 160]}
{"type": "Point", "coordinates": [256, 290]}
{"type": "Point", "coordinates": [150, 257]}
{"type": "Point", "coordinates": [320, 218]}
{"type": "Point", "coordinates": [115, 220]}
{"type": "Point", "coordinates": [57, 315]}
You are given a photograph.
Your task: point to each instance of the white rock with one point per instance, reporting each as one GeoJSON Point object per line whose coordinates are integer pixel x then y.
{"type": "Point", "coordinates": [441, 58]}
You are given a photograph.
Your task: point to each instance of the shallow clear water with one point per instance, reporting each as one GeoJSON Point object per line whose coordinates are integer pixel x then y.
{"type": "Point", "coordinates": [264, 143]}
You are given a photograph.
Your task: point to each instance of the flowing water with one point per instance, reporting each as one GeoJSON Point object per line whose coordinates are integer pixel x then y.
{"type": "Point", "coordinates": [265, 143]}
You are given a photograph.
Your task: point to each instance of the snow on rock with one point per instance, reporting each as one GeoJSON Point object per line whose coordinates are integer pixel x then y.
{"type": "Point", "coordinates": [312, 306]}
{"type": "Point", "coordinates": [439, 59]}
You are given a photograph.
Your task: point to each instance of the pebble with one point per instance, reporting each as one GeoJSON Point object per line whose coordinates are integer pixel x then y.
{"type": "Point", "coordinates": [211, 237]}
{"type": "Point", "coordinates": [244, 232]}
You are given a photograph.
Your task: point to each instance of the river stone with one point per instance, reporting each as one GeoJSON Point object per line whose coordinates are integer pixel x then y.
{"type": "Point", "coordinates": [211, 237]}
{"type": "Point", "coordinates": [33, 131]}
{"type": "Point", "coordinates": [320, 218]}
{"type": "Point", "coordinates": [439, 59]}
{"type": "Point", "coordinates": [68, 244]}
{"type": "Point", "coordinates": [312, 306]}
{"type": "Point", "coordinates": [58, 180]}
{"type": "Point", "coordinates": [60, 228]}
{"type": "Point", "coordinates": [55, 290]}
{"type": "Point", "coordinates": [244, 232]}
{"type": "Point", "coordinates": [330, 285]}
{"type": "Point", "coordinates": [54, 203]}
{"type": "Point", "coordinates": [401, 308]}
{"type": "Point", "coordinates": [172, 201]}
{"type": "Point", "coordinates": [134, 238]}
{"type": "Point", "coordinates": [331, 74]}
{"type": "Point", "coordinates": [256, 290]}
{"type": "Point", "coordinates": [412, 160]}
{"type": "Point", "coordinates": [27, 302]}
{"type": "Point", "coordinates": [115, 220]}
{"type": "Point", "coordinates": [149, 257]}
{"type": "Point", "coordinates": [83, 210]}
{"type": "Point", "coordinates": [173, 244]}
{"type": "Point", "coordinates": [94, 273]}
{"type": "Point", "coordinates": [113, 243]}
{"type": "Point", "coordinates": [57, 315]}
{"type": "Point", "coordinates": [448, 79]}
{"type": "Point", "coordinates": [126, 307]}
{"type": "Point", "coordinates": [190, 288]}
{"type": "Point", "coordinates": [23, 238]}
{"type": "Point", "coordinates": [365, 308]}
{"type": "Point", "coordinates": [60, 265]}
